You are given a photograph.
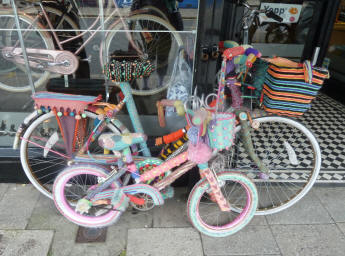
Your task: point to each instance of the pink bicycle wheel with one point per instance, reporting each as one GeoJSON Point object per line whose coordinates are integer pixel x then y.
{"type": "Point", "coordinates": [72, 185]}
{"type": "Point", "coordinates": [206, 215]}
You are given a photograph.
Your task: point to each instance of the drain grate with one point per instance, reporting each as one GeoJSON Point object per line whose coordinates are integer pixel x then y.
{"type": "Point", "coordinates": [91, 235]}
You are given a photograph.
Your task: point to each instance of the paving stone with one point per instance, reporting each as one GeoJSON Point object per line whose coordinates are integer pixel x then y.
{"type": "Point", "coordinates": [64, 242]}
{"type": "Point", "coordinates": [174, 212]}
{"type": "Point", "coordinates": [251, 240]}
{"type": "Point", "coordinates": [333, 201]}
{"type": "Point", "coordinates": [324, 239]}
{"type": "Point", "coordinates": [258, 221]}
{"type": "Point", "coordinates": [46, 216]}
{"type": "Point", "coordinates": [3, 189]}
{"type": "Point", "coordinates": [164, 241]}
{"type": "Point", "coordinates": [25, 242]}
{"type": "Point", "coordinates": [17, 205]}
{"type": "Point", "coordinates": [308, 210]}
{"type": "Point", "coordinates": [114, 245]}
{"type": "Point", "coordinates": [341, 225]}
{"type": "Point", "coordinates": [135, 219]}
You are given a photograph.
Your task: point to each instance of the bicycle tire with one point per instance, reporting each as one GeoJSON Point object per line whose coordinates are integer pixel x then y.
{"type": "Point", "coordinates": [37, 39]}
{"type": "Point", "coordinates": [278, 33]}
{"type": "Point", "coordinates": [199, 202]}
{"type": "Point", "coordinates": [153, 10]}
{"type": "Point", "coordinates": [78, 179]}
{"type": "Point", "coordinates": [163, 57]}
{"type": "Point", "coordinates": [41, 170]}
{"type": "Point", "coordinates": [70, 23]}
{"type": "Point", "coordinates": [4, 68]}
{"type": "Point", "coordinates": [291, 174]}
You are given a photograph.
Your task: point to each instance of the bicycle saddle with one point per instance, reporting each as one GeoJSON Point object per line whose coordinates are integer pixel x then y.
{"type": "Point", "coordinates": [114, 142]}
{"type": "Point", "coordinates": [64, 101]}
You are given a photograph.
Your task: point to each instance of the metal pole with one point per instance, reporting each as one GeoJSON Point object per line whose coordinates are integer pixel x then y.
{"type": "Point", "coordinates": [21, 40]}
{"type": "Point", "coordinates": [101, 15]}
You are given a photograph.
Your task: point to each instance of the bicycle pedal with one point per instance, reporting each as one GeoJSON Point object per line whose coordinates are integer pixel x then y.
{"type": "Point", "coordinates": [83, 206]}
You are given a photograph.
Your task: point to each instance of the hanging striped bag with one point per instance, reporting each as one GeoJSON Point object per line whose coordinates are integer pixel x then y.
{"type": "Point", "coordinates": [290, 87]}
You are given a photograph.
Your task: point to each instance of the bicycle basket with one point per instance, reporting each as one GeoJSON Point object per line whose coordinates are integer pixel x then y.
{"type": "Point", "coordinates": [221, 131]}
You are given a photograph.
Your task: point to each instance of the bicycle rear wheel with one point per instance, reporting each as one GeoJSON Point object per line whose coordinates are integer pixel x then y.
{"type": "Point", "coordinates": [159, 43]}
{"type": "Point", "coordinates": [291, 153]}
{"type": "Point", "coordinates": [17, 79]}
{"type": "Point", "coordinates": [41, 165]}
{"type": "Point", "coordinates": [205, 214]}
{"type": "Point", "coordinates": [72, 185]}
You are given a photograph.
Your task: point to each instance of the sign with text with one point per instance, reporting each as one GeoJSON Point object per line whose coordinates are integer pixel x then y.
{"type": "Point", "coordinates": [289, 12]}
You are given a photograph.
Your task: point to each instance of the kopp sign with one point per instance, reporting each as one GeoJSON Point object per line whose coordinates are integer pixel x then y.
{"type": "Point", "coordinates": [289, 12]}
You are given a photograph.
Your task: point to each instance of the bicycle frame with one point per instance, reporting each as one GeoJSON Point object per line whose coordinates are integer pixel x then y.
{"type": "Point", "coordinates": [95, 29]}
{"type": "Point", "coordinates": [91, 27]}
{"type": "Point", "coordinates": [101, 192]}
{"type": "Point", "coordinates": [103, 159]}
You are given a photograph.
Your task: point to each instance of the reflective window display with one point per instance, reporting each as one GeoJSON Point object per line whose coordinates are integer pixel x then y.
{"type": "Point", "coordinates": [67, 44]}
{"type": "Point", "coordinates": [289, 36]}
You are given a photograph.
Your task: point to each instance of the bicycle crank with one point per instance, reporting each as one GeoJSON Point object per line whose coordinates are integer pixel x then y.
{"type": "Point", "coordinates": [61, 62]}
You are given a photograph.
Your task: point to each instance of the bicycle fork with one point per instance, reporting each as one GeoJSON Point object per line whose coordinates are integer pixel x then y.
{"type": "Point", "coordinates": [215, 193]}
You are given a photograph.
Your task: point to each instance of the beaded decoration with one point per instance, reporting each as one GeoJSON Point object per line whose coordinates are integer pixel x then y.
{"type": "Point", "coordinates": [125, 71]}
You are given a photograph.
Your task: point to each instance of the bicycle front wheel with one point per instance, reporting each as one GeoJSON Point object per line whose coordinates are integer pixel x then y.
{"type": "Point", "coordinates": [205, 214]}
{"type": "Point", "coordinates": [44, 154]}
{"type": "Point", "coordinates": [158, 41]}
{"type": "Point", "coordinates": [17, 79]}
{"type": "Point", "coordinates": [292, 155]}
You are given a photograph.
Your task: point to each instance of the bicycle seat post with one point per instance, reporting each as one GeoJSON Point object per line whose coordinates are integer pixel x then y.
{"type": "Point", "coordinates": [133, 114]}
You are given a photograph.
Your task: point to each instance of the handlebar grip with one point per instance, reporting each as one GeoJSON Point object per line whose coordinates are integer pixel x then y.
{"type": "Point", "coordinates": [160, 112]}
{"type": "Point", "coordinates": [272, 15]}
{"type": "Point", "coordinates": [233, 52]}
{"type": "Point", "coordinates": [177, 104]}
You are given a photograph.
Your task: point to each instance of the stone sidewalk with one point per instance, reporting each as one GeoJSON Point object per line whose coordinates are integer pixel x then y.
{"type": "Point", "coordinates": [30, 225]}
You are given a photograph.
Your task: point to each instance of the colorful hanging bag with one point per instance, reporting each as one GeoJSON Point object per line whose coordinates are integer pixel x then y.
{"type": "Point", "coordinates": [290, 87]}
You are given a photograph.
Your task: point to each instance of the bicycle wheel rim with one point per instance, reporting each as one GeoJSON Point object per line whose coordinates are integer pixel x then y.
{"type": "Point", "coordinates": [200, 205]}
{"type": "Point", "coordinates": [286, 184]}
{"type": "Point", "coordinates": [72, 185]}
{"type": "Point", "coordinates": [162, 56]}
{"type": "Point", "coordinates": [42, 169]}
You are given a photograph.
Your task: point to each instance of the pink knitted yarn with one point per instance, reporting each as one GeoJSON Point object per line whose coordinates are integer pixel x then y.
{"type": "Point", "coordinates": [199, 153]}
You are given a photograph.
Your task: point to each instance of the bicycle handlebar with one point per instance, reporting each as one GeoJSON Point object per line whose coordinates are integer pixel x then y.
{"type": "Point", "coordinates": [268, 13]}
{"type": "Point", "coordinates": [272, 15]}
{"type": "Point", "coordinates": [177, 104]}
{"type": "Point", "coordinates": [230, 53]}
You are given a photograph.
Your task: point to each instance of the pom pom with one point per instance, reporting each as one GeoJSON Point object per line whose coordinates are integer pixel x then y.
{"type": "Point", "coordinates": [253, 51]}
{"type": "Point", "coordinates": [199, 153]}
